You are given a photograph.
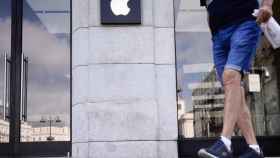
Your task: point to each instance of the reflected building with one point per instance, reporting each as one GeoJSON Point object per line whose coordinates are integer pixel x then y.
{"type": "Point", "coordinates": [181, 107]}
{"type": "Point", "coordinates": [265, 104]}
{"type": "Point", "coordinates": [208, 105]}
{"type": "Point", "coordinates": [4, 131]}
{"type": "Point", "coordinates": [207, 101]}
{"type": "Point", "coordinates": [186, 125]}
{"type": "Point", "coordinates": [4, 125]}
{"type": "Point", "coordinates": [35, 132]}
{"type": "Point", "coordinates": [26, 132]}
{"type": "Point", "coordinates": [185, 120]}
{"type": "Point", "coordinates": [60, 132]}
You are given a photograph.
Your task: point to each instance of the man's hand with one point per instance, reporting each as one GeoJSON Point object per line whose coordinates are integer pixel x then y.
{"type": "Point", "coordinates": [264, 14]}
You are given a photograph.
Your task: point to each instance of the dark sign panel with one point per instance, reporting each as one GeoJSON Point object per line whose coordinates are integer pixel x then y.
{"type": "Point", "coordinates": [120, 11]}
{"type": "Point", "coordinates": [202, 2]}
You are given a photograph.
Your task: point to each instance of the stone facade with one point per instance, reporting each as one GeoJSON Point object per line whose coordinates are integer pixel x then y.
{"type": "Point", "coordinates": [124, 84]}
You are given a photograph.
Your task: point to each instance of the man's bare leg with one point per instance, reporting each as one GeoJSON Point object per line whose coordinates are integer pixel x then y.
{"type": "Point", "coordinates": [233, 101]}
{"type": "Point", "coordinates": [236, 110]}
{"type": "Point", "coordinates": [245, 123]}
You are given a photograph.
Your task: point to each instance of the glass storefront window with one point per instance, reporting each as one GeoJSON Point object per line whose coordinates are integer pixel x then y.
{"type": "Point", "coordinates": [201, 96]}
{"type": "Point", "coordinates": [5, 45]}
{"type": "Point", "coordinates": [46, 56]}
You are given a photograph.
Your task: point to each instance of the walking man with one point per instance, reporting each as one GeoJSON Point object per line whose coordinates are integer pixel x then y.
{"type": "Point", "coordinates": [235, 36]}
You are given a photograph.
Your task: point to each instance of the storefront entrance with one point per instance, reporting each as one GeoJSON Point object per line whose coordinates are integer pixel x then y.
{"type": "Point", "coordinates": [201, 96]}
{"type": "Point", "coordinates": [35, 78]}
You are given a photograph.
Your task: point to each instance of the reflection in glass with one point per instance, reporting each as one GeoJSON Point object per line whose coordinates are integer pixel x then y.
{"type": "Point", "coordinates": [201, 96]}
{"type": "Point", "coordinates": [46, 47]}
{"type": "Point", "coordinates": [5, 40]}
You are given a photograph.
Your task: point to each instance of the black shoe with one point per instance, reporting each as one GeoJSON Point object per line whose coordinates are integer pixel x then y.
{"type": "Point", "coordinates": [251, 153]}
{"type": "Point", "coordinates": [218, 150]}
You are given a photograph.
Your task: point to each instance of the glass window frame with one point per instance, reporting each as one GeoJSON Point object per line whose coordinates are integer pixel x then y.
{"type": "Point", "coordinates": [188, 147]}
{"type": "Point", "coordinates": [15, 147]}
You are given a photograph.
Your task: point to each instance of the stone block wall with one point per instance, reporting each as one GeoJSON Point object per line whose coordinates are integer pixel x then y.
{"type": "Point", "coordinates": [124, 84]}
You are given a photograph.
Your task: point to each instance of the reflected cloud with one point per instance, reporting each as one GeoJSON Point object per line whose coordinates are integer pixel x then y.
{"type": "Point", "coordinates": [48, 84]}
{"type": "Point", "coordinates": [48, 69]}
{"type": "Point", "coordinates": [5, 32]}
{"type": "Point", "coordinates": [44, 48]}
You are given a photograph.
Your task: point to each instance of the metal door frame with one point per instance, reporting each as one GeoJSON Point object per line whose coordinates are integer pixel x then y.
{"type": "Point", "coordinates": [15, 148]}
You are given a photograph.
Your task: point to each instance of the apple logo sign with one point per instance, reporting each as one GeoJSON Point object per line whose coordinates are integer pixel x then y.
{"type": "Point", "coordinates": [120, 12]}
{"type": "Point", "coordinates": [120, 7]}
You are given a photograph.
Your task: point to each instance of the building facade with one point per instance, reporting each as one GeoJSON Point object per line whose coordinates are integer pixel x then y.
{"type": "Point", "coordinates": [128, 83]}
{"type": "Point", "coordinates": [83, 80]}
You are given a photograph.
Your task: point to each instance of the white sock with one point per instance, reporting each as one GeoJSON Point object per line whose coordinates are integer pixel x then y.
{"type": "Point", "coordinates": [255, 147]}
{"type": "Point", "coordinates": [227, 142]}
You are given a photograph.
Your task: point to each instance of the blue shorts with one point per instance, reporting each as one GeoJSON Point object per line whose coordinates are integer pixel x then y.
{"type": "Point", "coordinates": [234, 47]}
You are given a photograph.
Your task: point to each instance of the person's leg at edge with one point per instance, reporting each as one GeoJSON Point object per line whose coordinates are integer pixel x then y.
{"type": "Point", "coordinates": [239, 60]}
{"type": "Point", "coordinates": [233, 101]}
{"type": "Point", "coordinates": [235, 113]}
{"type": "Point", "coordinates": [244, 123]}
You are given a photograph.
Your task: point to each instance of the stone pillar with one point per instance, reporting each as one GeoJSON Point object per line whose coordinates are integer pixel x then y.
{"type": "Point", "coordinates": [124, 84]}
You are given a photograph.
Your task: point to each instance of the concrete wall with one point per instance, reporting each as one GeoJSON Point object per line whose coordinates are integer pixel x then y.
{"type": "Point", "coordinates": [124, 84]}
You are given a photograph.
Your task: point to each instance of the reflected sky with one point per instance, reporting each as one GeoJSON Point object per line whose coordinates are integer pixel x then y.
{"type": "Point", "coordinates": [46, 43]}
{"type": "Point", "coordinates": [46, 34]}
{"type": "Point", "coordinates": [5, 25]}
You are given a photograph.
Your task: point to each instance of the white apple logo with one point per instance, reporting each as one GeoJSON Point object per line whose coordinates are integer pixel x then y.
{"type": "Point", "coordinates": [119, 7]}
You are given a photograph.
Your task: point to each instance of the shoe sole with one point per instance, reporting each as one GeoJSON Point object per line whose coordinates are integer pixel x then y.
{"type": "Point", "coordinates": [204, 154]}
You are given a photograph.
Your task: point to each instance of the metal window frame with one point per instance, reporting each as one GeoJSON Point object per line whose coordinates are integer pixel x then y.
{"type": "Point", "coordinates": [14, 147]}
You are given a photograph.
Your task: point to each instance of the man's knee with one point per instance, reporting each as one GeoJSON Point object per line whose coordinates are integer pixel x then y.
{"type": "Point", "coordinates": [231, 77]}
{"type": "Point", "coordinates": [245, 115]}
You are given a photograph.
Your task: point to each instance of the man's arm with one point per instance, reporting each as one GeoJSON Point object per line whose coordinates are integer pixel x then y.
{"type": "Point", "coordinates": [265, 11]}
{"type": "Point", "coordinates": [267, 3]}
